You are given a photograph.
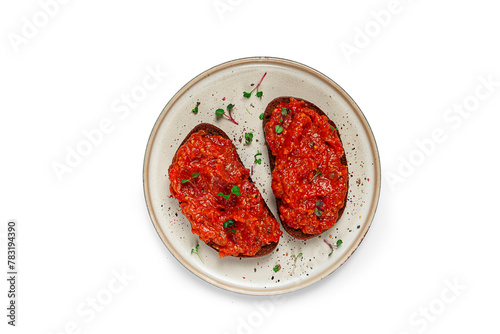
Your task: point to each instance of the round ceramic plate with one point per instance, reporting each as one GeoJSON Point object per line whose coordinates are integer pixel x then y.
{"type": "Point", "coordinates": [294, 264]}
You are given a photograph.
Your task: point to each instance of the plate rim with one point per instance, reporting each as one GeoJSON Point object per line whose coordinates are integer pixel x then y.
{"type": "Point", "coordinates": [294, 287]}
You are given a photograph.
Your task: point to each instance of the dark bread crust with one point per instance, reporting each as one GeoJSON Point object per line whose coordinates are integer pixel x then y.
{"type": "Point", "coordinates": [297, 233]}
{"type": "Point", "coordinates": [215, 131]}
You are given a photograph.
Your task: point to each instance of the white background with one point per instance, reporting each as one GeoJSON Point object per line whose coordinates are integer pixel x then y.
{"type": "Point", "coordinates": [436, 226]}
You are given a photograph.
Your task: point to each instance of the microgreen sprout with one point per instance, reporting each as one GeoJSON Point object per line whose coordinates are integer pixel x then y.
{"type": "Point", "coordinates": [195, 250]}
{"type": "Point", "coordinates": [229, 223]}
{"type": "Point", "coordinates": [317, 212]}
{"type": "Point", "coordinates": [318, 173]}
{"type": "Point", "coordinates": [259, 93]}
{"type": "Point", "coordinates": [257, 161]}
{"type": "Point", "coordinates": [195, 175]}
{"type": "Point", "coordinates": [248, 138]}
{"type": "Point", "coordinates": [295, 261]}
{"type": "Point", "coordinates": [236, 190]}
{"type": "Point", "coordinates": [333, 129]}
{"type": "Point", "coordinates": [228, 115]}
{"type": "Point", "coordinates": [337, 245]}
{"type": "Point", "coordinates": [225, 196]}
{"type": "Point", "coordinates": [195, 109]}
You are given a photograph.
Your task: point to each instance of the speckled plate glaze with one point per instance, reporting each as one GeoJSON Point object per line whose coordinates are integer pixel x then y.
{"type": "Point", "coordinates": [301, 263]}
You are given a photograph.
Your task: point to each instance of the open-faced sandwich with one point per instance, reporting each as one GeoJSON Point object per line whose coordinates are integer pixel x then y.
{"type": "Point", "coordinates": [309, 167]}
{"type": "Point", "coordinates": [218, 197]}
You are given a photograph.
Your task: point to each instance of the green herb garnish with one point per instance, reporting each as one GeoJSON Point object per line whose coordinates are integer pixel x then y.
{"type": "Point", "coordinates": [195, 175]}
{"type": "Point", "coordinates": [277, 268]}
{"type": "Point", "coordinates": [339, 242]}
{"type": "Point", "coordinates": [248, 138]}
{"type": "Point", "coordinates": [259, 93]}
{"type": "Point", "coordinates": [229, 223]}
{"type": "Point", "coordinates": [195, 109]}
{"type": "Point", "coordinates": [236, 190]}
{"type": "Point", "coordinates": [318, 173]}
{"type": "Point", "coordinates": [317, 212]}
{"type": "Point", "coordinates": [329, 245]}
{"type": "Point", "coordinates": [295, 261]}
{"type": "Point", "coordinates": [221, 112]}
{"type": "Point", "coordinates": [195, 250]}
{"type": "Point", "coordinates": [257, 161]}
{"type": "Point", "coordinates": [261, 116]}
{"type": "Point", "coordinates": [285, 111]}
{"type": "Point", "coordinates": [225, 196]}
{"type": "Point", "coordinates": [278, 128]}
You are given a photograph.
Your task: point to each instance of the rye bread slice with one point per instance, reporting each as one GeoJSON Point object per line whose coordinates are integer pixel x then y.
{"type": "Point", "coordinates": [297, 233]}
{"type": "Point", "coordinates": [212, 130]}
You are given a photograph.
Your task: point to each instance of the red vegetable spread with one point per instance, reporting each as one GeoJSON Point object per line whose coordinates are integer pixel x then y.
{"type": "Point", "coordinates": [308, 177]}
{"type": "Point", "coordinates": [236, 225]}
